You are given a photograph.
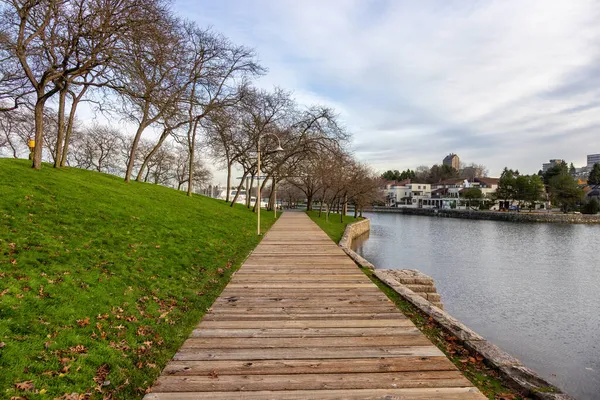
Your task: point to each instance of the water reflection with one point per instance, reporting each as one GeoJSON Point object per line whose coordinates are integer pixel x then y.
{"type": "Point", "coordinates": [530, 288]}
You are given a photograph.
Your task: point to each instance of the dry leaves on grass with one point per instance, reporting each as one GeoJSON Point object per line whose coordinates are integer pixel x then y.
{"type": "Point", "coordinates": [83, 322]}
{"type": "Point", "coordinates": [26, 385]}
{"type": "Point", "coordinates": [79, 349]}
{"type": "Point", "coordinates": [505, 396]}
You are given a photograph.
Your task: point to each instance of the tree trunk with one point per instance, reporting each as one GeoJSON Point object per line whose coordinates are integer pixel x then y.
{"type": "Point", "coordinates": [272, 199]}
{"type": "Point", "coordinates": [237, 193]}
{"type": "Point", "coordinates": [62, 96]}
{"type": "Point", "coordinates": [249, 191]}
{"type": "Point", "coordinates": [262, 186]}
{"type": "Point", "coordinates": [192, 149]}
{"type": "Point", "coordinates": [134, 146]}
{"type": "Point", "coordinates": [355, 210]}
{"type": "Point", "coordinates": [165, 133]}
{"type": "Point", "coordinates": [309, 201]}
{"type": "Point", "coordinates": [39, 133]}
{"type": "Point", "coordinates": [228, 180]}
{"type": "Point", "coordinates": [70, 122]}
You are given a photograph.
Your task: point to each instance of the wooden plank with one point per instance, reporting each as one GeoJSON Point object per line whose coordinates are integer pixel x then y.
{"type": "Point", "coordinates": [324, 323]}
{"type": "Point", "coordinates": [311, 285]}
{"type": "Point", "coordinates": [299, 317]}
{"type": "Point", "coordinates": [304, 332]}
{"type": "Point", "coordinates": [410, 379]}
{"type": "Point", "coordinates": [269, 367]}
{"type": "Point", "coordinates": [239, 309]}
{"type": "Point", "coordinates": [297, 277]}
{"type": "Point", "coordinates": [310, 353]}
{"type": "Point", "coordinates": [357, 394]}
{"type": "Point", "coordinates": [299, 292]}
{"type": "Point", "coordinates": [285, 343]}
{"type": "Point", "coordinates": [302, 301]}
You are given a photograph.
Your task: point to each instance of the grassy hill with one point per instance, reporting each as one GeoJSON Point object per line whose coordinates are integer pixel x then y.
{"type": "Point", "coordinates": [100, 281]}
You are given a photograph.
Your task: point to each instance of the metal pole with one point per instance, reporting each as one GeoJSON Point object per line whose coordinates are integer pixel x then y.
{"type": "Point", "coordinates": [258, 192]}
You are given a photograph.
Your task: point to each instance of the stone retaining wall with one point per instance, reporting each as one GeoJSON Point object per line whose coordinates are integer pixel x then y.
{"type": "Point", "coordinates": [516, 374]}
{"type": "Point", "coordinates": [351, 232]}
{"type": "Point", "coordinates": [493, 215]}
{"type": "Point", "coordinates": [421, 284]}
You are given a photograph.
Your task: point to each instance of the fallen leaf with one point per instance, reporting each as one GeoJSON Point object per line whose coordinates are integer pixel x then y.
{"type": "Point", "coordinates": [2, 344]}
{"type": "Point", "coordinates": [101, 374]}
{"type": "Point", "coordinates": [26, 385]}
{"type": "Point", "coordinates": [213, 374]}
{"type": "Point", "coordinates": [83, 322]}
{"type": "Point", "coordinates": [13, 261]}
{"type": "Point", "coordinates": [78, 349]}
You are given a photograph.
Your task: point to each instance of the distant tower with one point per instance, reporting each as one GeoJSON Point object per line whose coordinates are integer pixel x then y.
{"type": "Point", "coordinates": [452, 160]}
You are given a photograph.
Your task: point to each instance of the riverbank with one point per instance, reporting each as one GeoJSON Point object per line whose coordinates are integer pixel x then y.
{"type": "Point", "coordinates": [101, 281]}
{"type": "Point", "coordinates": [511, 216]}
{"type": "Point", "coordinates": [484, 377]}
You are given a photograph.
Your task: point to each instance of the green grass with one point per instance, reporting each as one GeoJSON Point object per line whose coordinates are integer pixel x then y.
{"type": "Point", "coordinates": [484, 378]}
{"type": "Point", "coordinates": [333, 226]}
{"type": "Point", "coordinates": [101, 281]}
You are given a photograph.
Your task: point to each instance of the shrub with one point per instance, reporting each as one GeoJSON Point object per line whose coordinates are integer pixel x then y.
{"type": "Point", "coordinates": [591, 207]}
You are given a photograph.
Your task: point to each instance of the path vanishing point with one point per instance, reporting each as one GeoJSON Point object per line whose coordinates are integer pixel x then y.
{"type": "Point", "coordinates": [299, 320]}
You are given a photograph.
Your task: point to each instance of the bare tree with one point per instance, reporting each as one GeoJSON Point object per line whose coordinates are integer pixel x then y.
{"type": "Point", "coordinates": [217, 80]}
{"type": "Point", "coordinates": [97, 148]}
{"type": "Point", "coordinates": [55, 41]}
{"type": "Point", "coordinates": [15, 128]}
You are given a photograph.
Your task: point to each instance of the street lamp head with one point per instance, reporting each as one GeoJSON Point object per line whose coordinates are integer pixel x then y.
{"type": "Point", "coordinates": [279, 148]}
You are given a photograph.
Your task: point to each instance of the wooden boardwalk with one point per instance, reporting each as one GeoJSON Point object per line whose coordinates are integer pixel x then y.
{"type": "Point", "coordinates": [299, 320]}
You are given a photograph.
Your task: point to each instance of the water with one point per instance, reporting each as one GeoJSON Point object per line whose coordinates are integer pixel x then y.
{"type": "Point", "coordinates": [532, 289]}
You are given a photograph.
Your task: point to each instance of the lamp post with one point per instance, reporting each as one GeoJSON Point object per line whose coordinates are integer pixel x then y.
{"type": "Point", "coordinates": [279, 148]}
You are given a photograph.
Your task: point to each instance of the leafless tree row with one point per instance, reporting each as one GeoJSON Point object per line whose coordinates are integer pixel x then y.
{"type": "Point", "coordinates": [188, 88]}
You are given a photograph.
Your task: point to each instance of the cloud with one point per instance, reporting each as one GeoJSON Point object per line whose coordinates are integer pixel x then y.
{"type": "Point", "coordinates": [507, 83]}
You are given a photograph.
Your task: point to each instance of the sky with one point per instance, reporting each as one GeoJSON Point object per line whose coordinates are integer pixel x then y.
{"type": "Point", "coordinates": [500, 83]}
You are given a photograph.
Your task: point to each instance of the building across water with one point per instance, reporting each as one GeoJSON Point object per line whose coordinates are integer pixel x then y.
{"type": "Point", "coordinates": [593, 159]}
{"type": "Point", "coordinates": [552, 163]}
{"type": "Point", "coordinates": [452, 160]}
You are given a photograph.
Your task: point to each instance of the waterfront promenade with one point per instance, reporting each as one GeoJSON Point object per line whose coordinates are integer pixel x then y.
{"type": "Point", "coordinates": [299, 320]}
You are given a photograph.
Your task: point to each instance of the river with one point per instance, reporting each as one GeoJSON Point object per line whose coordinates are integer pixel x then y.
{"type": "Point", "coordinates": [532, 289]}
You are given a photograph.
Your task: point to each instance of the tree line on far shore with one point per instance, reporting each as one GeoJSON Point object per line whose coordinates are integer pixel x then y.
{"type": "Point", "coordinates": [186, 92]}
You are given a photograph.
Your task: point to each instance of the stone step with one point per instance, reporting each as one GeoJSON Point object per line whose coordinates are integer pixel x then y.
{"type": "Point", "coordinates": [422, 288]}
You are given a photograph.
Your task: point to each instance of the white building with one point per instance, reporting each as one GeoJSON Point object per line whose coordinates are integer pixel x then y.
{"type": "Point", "coordinates": [592, 159]}
{"type": "Point", "coordinates": [552, 163]}
{"type": "Point", "coordinates": [437, 195]}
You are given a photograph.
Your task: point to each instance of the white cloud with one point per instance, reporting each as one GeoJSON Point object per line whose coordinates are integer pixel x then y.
{"type": "Point", "coordinates": [500, 83]}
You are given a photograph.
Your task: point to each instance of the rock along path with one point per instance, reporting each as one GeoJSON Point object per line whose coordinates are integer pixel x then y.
{"type": "Point", "coordinates": [299, 320]}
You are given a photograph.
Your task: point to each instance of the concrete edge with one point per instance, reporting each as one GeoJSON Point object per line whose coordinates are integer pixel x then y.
{"type": "Point", "coordinates": [350, 233]}
{"type": "Point", "coordinates": [510, 368]}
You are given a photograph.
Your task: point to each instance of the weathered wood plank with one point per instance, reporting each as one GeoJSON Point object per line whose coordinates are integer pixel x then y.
{"type": "Point", "coordinates": [281, 343]}
{"type": "Point", "coordinates": [410, 379]}
{"type": "Point", "coordinates": [304, 332]}
{"type": "Point", "coordinates": [270, 367]}
{"type": "Point", "coordinates": [312, 353]}
{"type": "Point", "coordinates": [357, 394]}
{"type": "Point", "coordinates": [299, 317]}
{"type": "Point", "coordinates": [324, 323]}
{"type": "Point", "coordinates": [222, 309]}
